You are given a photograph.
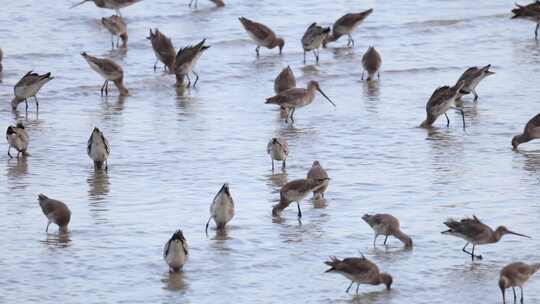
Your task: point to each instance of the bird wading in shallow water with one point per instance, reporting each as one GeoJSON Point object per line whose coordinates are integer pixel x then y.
{"type": "Point", "coordinates": [115, 5]}
{"type": "Point", "coordinates": [386, 224]}
{"type": "Point", "coordinates": [109, 70]}
{"type": "Point", "coordinates": [296, 191]}
{"type": "Point", "coordinates": [530, 132]}
{"type": "Point", "coordinates": [56, 212]}
{"type": "Point", "coordinates": [440, 102]}
{"type": "Point", "coordinates": [313, 38]}
{"type": "Point", "coordinates": [185, 62]}
{"type": "Point", "coordinates": [98, 149]}
{"type": "Point", "coordinates": [285, 80]}
{"type": "Point", "coordinates": [516, 275]}
{"type": "Point", "coordinates": [163, 48]}
{"type": "Point", "coordinates": [317, 172]}
{"type": "Point", "coordinates": [262, 35]}
{"type": "Point", "coordinates": [176, 252]}
{"type": "Point", "coordinates": [27, 87]}
{"type": "Point", "coordinates": [117, 27]}
{"type": "Point", "coordinates": [346, 25]}
{"type": "Point", "coordinates": [472, 77]}
{"type": "Point", "coordinates": [222, 208]}
{"type": "Point", "coordinates": [371, 62]}
{"type": "Point", "coordinates": [278, 149]}
{"type": "Point", "coordinates": [17, 138]}
{"type": "Point", "coordinates": [529, 12]}
{"type": "Point", "coordinates": [195, 3]}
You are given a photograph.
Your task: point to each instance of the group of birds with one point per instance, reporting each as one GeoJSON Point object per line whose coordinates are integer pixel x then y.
{"type": "Point", "coordinates": [288, 97]}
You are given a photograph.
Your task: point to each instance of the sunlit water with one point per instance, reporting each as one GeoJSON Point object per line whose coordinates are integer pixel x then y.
{"type": "Point", "coordinates": [171, 152]}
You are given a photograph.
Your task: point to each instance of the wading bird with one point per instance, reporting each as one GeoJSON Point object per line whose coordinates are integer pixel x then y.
{"type": "Point", "coordinates": [346, 25]}
{"type": "Point", "coordinates": [296, 191]}
{"type": "Point", "coordinates": [117, 27]}
{"type": "Point", "coordinates": [110, 4]}
{"type": "Point", "coordinates": [163, 48]}
{"type": "Point", "coordinates": [109, 70]}
{"type": "Point", "coordinates": [472, 77]}
{"type": "Point", "coordinates": [359, 271]}
{"type": "Point", "coordinates": [476, 233]}
{"type": "Point", "coordinates": [17, 138]}
{"type": "Point", "coordinates": [297, 98]}
{"type": "Point", "coordinates": [56, 212]}
{"type": "Point", "coordinates": [318, 172]}
{"type": "Point", "coordinates": [284, 81]}
{"type": "Point", "coordinates": [195, 3]}
{"type": "Point", "coordinates": [516, 275]}
{"type": "Point", "coordinates": [530, 132]}
{"type": "Point", "coordinates": [440, 102]}
{"type": "Point", "coordinates": [529, 12]}
{"type": "Point", "coordinates": [262, 35]}
{"type": "Point", "coordinates": [222, 208]}
{"type": "Point", "coordinates": [27, 87]}
{"type": "Point", "coordinates": [185, 62]}
{"type": "Point", "coordinates": [386, 224]}
{"type": "Point", "coordinates": [98, 149]}
{"type": "Point", "coordinates": [371, 62]}
{"type": "Point", "coordinates": [175, 252]}
{"type": "Point", "coordinates": [313, 38]}
{"type": "Point", "coordinates": [278, 149]}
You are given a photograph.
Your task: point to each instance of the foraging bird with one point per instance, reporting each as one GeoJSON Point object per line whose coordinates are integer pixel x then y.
{"type": "Point", "coordinates": [222, 208]}
{"type": "Point", "coordinates": [313, 38]}
{"type": "Point", "coordinates": [27, 87]}
{"type": "Point", "coordinates": [110, 4]}
{"type": "Point", "coordinates": [284, 81]}
{"type": "Point", "coordinates": [386, 224]}
{"type": "Point", "coordinates": [531, 131]}
{"type": "Point", "coordinates": [297, 98]}
{"type": "Point", "coordinates": [346, 25]}
{"type": "Point", "coordinates": [117, 27]}
{"type": "Point", "coordinates": [18, 139]}
{"type": "Point", "coordinates": [476, 233]}
{"type": "Point", "coordinates": [1, 57]}
{"type": "Point", "coordinates": [472, 77]}
{"type": "Point", "coordinates": [318, 172]}
{"type": "Point", "coordinates": [218, 3]}
{"type": "Point", "coordinates": [441, 101]}
{"type": "Point", "coordinates": [163, 48]}
{"type": "Point", "coordinates": [529, 12]}
{"type": "Point", "coordinates": [278, 149]}
{"type": "Point", "coordinates": [185, 62]}
{"type": "Point", "coordinates": [109, 70]}
{"type": "Point", "coordinates": [296, 191]}
{"type": "Point", "coordinates": [175, 252]}
{"type": "Point", "coordinates": [516, 275]}
{"type": "Point", "coordinates": [98, 149]}
{"type": "Point", "coordinates": [262, 35]}
{"type": "Point", "coordinates": [359, 271]}
{"type": "Point", "coordinates": [55, 211]}
{"type": "Point", "coordinates": [371, 61]}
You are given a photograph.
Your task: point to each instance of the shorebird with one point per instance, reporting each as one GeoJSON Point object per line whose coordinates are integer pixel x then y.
{"type": "Point", "coordinates": [109, 70]}
{"type": "Point", "coordinates": [195, 3]}
{"type": "Point", "coordinates": [472, 77]}
{"type": "Point", "coordinates": [359, 271]}
{"type": "Point", "coordinates": [531, 131]}
{"type": "Point", "coordinates": [1, 57]}
{"type": "Point", "coordinates": [346, 25]}
{"type": "Point", "coordinates": [386, 224]}
{"type": "Point", "coordinates": [313, 38]}
{"type": "Point", "coordinates": [222, 208]}
{"type": "Point", "coordinates": [278, 149]}
{"type": "Point", "coordinates": [516, 275]}
{"type": "Point", "coordinates": [284, 81]}
{"type": "Point", "coordinates": [117, 27]}
{"type": "Point", "coordinates": [296, 191]}
{"type": "Point", "coordinates": [441, 101]}
{"type": "Point", "coordinates": [262, 35]}
{"type": "Point", "coordinates": [185, 62]}
{"type": "Point", "coordinates": [297, 98]}
{"type": "Point", "coordinates": [371, 61]}
{"type": "Point", "coordinates": [476, 233]}
{"type": "Point", "coordinates": [163, 48]}
{"type": "Point", "coordinates": [27, 87]}
{"type": "Point", "coordinates": [529, 12]}
{"type": "Point", "coordinates": [17, 138]}
{"type": "Point", "coordinates": [98, 149]}
{"type": "Point", "coordinates": [318, 172]}
{"type": "Point", "coordinates": [110, 4]}
{"type": "Point", "coordinates": [176, 252]}
{"type": "Point", "coordinates": [55, 211]}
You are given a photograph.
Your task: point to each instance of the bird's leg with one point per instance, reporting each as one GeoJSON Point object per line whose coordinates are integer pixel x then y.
{"type": "Point", "coordinates": [155, 65]}
{"type": "Point", "coordinates": [462, 115]}
{"type": "Point", "coordinates": [190, 2]}
{"type": "Point", "coordinates": [18, 154]}
{"type": "Point", "coordinates": [536, 31]}
{"type": "Point", "coordinates": [475, 256]}
{"type": "Point", "coordinates": [112, 41]}
{"type": "Point", "coordinates": [503, 295]}
{"type": "Point", "coordinates": [357, 287]}
{"type": "Point", "coordinates": [378, 75]}
{"type": "Point", "coordinates": [196, 78]}
{"type": "Point", "coordinates": [521, 288]}
{"type": "Point", "coordinates": [107, 87]}
{"type": "Point", "coordinates": [117, 41]}
{"type": "Point", "coordinates": [37, 103]}
{"type": "Point", "coordinates": [257, 50]}
{"type": "Point", "coordinates": [375, 240]}
{"type": "Point", "coordinates": [304, 57]}
{"type": "Point", "coordinates": [475, 95]}
{"type": "Point", "coordinates": [316, 56]}
{"type": "Point", "coordinates": [299, 211]}
{"type": "Point", "coordinates": [515, 297]}
{"type": "Point", "coordinates": [447, 120]}
{"type": "Point", "coordinates": [272, 164]}
{"type": "Point", "coordinates": [26, 103]}
{"type": "Point", "coordinates": [385, 239]}
{"type": "Point", "coordinates": [283, 165]}
{"type": "Point", "coordinates": [351, 41]}
{"type": "Point", "coordinates": [292, 115]}
{"type": "Point", "coordinates": [9, 154]}
{"type": "Point", "coordinates": [189, 80]}
{"type": "Point", "coordinates": [47, 229]}
{"type": "Point", "coordinates": [465, 249]}
{"type": "Point", "coordinates": [362, 75]}
{"type": "Point", "coordinates": [103, 87]}
{"type": "Point", "coordinates": [349, 288]}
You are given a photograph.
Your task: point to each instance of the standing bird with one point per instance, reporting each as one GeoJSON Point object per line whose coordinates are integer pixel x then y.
{"type": "Point", "coordinates": [346, 25]}
{"type": "Point", "coordinates": [117, 27]}
{"type": "Point", "coordinates": [476, 233]}
{"type": "Point", "coordinates": [222, 208]}
{"type": "Point", "coordinates": [529, 12]}
{"type": "Point", "coordinates": [27, 87]}
{"type": "Point", "coordinates": [195, 3]}
{"type": "Point", "coordinates": [175, 252]}
{"type": "Point", "coordinates": [262, 35]}
{"type": "Point", "coordinates": [297, 98]}
{"type": "Point", "coordinates": [531, 131]}
{"type": "Point", "coordinates": [516, 275]}
{"type": "Point", "coordinates": [359, 271]}
{"type": "Point", "coordinates": [98, 149]}
{"type": "Point", "coordinates": [1, 57]}
{"type": "Point", "coordinates": [278, 149]}
{"type": "Point", "coordinates": [163, 48]}
{"type": "Point", "coordinates": [110, 4]}
{"type": "Point", "coordinates": [185, 62]}
{"type": "Point", "coordinates": [296, 191]}
{"type": "Point", "coordinates": [55, 211]}
{"type": "Point", "coordinates": [442, 100]}
{"type": "Point", "coordinates": [318, 172]}
{"type": "Point", "coordinates": [472, 77]}
{"type": "Point", "coordinates": [313, 38]}
{"type": "Point", "coordinates": [109, 70]}
{"type": "Point", "coordinates": [284, 81]}
{"type": "Point", "coordinates": [386, 224]}
{"type": "Point", "coordinates": [371, 61]}
{"type": "Point", "coordinates": [17, 138]}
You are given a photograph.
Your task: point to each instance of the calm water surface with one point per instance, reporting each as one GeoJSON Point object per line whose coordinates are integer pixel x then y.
{"type": "Point", "coordinates": [171, 151]}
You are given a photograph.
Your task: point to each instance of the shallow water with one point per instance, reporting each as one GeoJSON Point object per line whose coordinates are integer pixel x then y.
{"type": "Point", "coordinates": [171, 151]}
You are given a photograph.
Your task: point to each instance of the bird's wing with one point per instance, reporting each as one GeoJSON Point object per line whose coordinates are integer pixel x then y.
{"type": "Point", "coordinates": [287, 96]}
{"type": "Point", "coordinates": [106, 144]}
{"type": "Point", "coordinates": [440, 95]}
{"type": "Point", "coordinates": [532, 128]}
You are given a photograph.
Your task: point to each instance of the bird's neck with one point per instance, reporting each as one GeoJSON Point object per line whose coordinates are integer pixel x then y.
{"type": "Point", "coordinates": [522, 138]}
{"type": "Point", "coordinates": [404, 238]}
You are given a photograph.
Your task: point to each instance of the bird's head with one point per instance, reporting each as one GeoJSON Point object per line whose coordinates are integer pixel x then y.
{"type": "Point", "coordinates": [387, 280]}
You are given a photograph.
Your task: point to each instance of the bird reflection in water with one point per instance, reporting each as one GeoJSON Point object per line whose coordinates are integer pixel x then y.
{"type": "Point", "coordinates": [174, 281]}
{"type": "Point", "coordinates": [278, 179]}
{"type": "Point", "coordinates": [58, 240]}
{"type": "Point", "coordinates": [98, 185]}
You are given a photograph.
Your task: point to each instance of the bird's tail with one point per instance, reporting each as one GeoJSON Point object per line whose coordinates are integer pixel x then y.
{"type": "Point", "coordinates": [536, 267]}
